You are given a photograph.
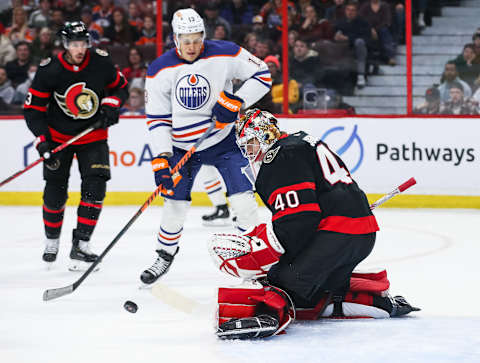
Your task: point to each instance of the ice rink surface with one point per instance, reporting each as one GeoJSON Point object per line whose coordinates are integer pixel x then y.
{"type": "Point", "coordinates": [431, 256]}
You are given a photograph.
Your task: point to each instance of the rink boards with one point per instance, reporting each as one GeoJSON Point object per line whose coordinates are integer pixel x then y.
{"type": "Point", "coordinates": [443, 154]}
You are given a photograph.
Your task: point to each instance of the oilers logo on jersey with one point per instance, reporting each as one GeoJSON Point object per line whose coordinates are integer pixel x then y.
{"type": "Point", "coordinates": [192, 91]}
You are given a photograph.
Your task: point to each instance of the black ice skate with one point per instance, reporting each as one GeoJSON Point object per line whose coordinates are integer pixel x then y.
{"type": "Point", "coordinates": [220, 217]}
{"type": "Point", "coordinates": [159, 267]}
{"type": "Point", "coordinates": [80, 255]}
{"type": "Point", "coordinates": [51, 250]}
{"type": "Point", "coordinates": [400, 306]}
{"type": "Point", "coordinates": [248, 328]}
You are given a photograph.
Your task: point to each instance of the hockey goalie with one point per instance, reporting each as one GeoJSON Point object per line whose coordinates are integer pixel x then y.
{"type": "Point", "coordinates": [301, 265]}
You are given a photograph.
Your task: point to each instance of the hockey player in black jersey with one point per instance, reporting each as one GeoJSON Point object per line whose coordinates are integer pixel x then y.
{"type": "Point", "coordinates": [71, 92]}
{"type": "Point", "coordinates": [321, 229]}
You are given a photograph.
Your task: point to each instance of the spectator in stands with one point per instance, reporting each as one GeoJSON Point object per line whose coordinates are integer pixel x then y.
{"type": "Point", "coordinates": [378, 14]}
{"type": "Point", "coordinates": [40, 18]}
{"type": "Point", "coordinates": [17, 69]}
{"type": "Point", "coordinates": [250, 42]}
{"type": "Point", "coordinates": [466, 68]}
{"type": "Point", "coordinates": [336, 12]}
{"type": "Point", "coordinates": [431, 106]}
{"type": "Point", "coordinates": [304, 65]}
{"type": "Point", "coordinates": [312, 28]}
{"type": "Point", "coordinates": [135, 16]}
{"type": "Point", "coordinates": [271, 12]}
{"type": "Point", "coordinates": [148, 35]}
{"type": "Point", "coordinates": [95, 30]}
{"type": "Point", "coordinates": [476, 47]}
{"type": "Point", "coordinates": [262, 48]}
{"type": "Point", "coordinates": [6, 90]}
{"type": "Point", "coordinates": [237, 12]}
{"type": "Point", "coordinates": [450, 76]}
{"type": "Point", "coordinates": [258, 26]}
{"type": "Point", "coordinates": [71, 10]}
{"type": "Point", "coordinates": [457, 105]}
{"type": "Point", "coordinates": [421, 8]}
{"type": "Point", "coordinates": [120, 32]}
{"type": "Point", "coordinates": [57, 22]}
{"type": "Point", "coordinates": [220, 32]}
{"type": "Point", "coordinates": [103, 13]}
{"type": "Point", "coordinates": [136, 70]}
{"type": "Point", "coordinates": [212, 19]}
{"type": "Point", "coordinates": [357, 33]}
{"type": "Point", "coordinates": [7, 51]}
{"type": "Point", "coordinates": [42, 45]}
{"type": "Point", "coordinates": [146, 7]}
{"type": "Point", "coordinates": [277, 85]}
{"type": "Point", "coordinates": [22, 89]}
{"type": "Point", "coordinates": [135, 105]}
{"type": "Point", "coordinates": [19, 31]}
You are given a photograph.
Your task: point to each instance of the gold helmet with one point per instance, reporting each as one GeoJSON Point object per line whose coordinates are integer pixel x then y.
{"type": "Point", "coordinates": [256, 125]}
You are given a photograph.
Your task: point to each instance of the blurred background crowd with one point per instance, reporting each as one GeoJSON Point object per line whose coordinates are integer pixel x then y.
{"type": "Point", "coordinates": [337, 48]}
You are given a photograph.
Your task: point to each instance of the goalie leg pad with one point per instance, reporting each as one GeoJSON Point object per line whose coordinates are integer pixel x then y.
{"type": "Point", "coordinates": [251, 311]}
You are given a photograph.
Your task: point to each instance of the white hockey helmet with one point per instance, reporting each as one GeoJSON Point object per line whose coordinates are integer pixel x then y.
{"type": "Point", "coordinates": [187, 21]}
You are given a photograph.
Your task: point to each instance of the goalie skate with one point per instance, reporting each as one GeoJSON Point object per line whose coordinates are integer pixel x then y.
{"type": "Point", "coordinates": [81, 257]}
{"type": "Point", "coordinates": [248, 328]}
{"type": "Point", "coordinates": [220, 217]}
{"type": "Point", "coordinates": [159, 267]}
{"type": "Point", "coordinates": [51, 251]}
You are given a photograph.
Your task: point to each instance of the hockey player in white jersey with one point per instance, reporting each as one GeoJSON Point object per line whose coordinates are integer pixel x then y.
{"type": "Point", "coordinates": [187, 89]}
{"type": "Point", "coordinates": [212, 185]}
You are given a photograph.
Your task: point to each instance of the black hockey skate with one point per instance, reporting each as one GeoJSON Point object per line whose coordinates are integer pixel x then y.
{"type": "Point", "coordinates": [400, 306]}
{"type": "Point", "coordinates": [248, 328]}
{"type": "Point", "coordinates": [220, 217]}
{"type": "Point", "coordinates": [51, 250]}
{"type": "Point", "coordinates": [159, 267]}
{"type": "Point", "coordinates": [80, 255]}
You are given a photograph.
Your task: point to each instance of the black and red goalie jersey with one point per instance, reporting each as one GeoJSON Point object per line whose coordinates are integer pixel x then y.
{"type": "Point", "coordinates": [308, 188]}
{"type": "Point", "coordinates": [64, 99]}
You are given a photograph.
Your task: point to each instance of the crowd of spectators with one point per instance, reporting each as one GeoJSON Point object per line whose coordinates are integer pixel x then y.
{"type": "Point", "coordinates": [459, 90]}
{"type": "Point", "coordinates": [332, 44]}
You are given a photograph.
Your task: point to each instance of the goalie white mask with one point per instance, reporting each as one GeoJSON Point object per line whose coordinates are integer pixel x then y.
{"type": "Point", "coordinates": [186, 21]}
{"type": "Point", "coordinates": [256, 132]}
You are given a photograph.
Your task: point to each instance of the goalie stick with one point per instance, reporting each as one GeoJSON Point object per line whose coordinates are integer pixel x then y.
{"type": "Point", "coordinates": [180, 302]}
{"type": "Point", "coordinates": [51, 294]}
{"type": "Point", "coordinates": [54, 151]}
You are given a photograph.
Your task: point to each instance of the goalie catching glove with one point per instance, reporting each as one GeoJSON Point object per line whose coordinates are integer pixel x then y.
{"type": "Point", "coordinates": [248, 255]}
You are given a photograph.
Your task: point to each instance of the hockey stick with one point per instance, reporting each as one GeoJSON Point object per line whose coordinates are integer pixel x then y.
{"type": "Point", "coordinates": [51, 294]}
{"type": "Point", "coordinates": [56, 150]}
{"type": "Point", "coordinates": [402, 187]}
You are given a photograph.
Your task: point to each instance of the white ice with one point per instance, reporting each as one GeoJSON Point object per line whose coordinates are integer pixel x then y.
{"type": "Point", "coordinates": [432, 258]}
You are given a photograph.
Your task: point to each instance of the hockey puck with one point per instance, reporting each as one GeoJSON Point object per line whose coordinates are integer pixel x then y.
{"type": "Point", "coordinates": [130, 306]}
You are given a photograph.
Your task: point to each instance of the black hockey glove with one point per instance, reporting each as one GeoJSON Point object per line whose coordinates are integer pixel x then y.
{"type": "Point", "coordinates": [108, 116]}
{"type": "Point", "coordinates": [44, 149]}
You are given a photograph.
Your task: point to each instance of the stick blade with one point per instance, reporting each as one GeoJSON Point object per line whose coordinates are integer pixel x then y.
{"type": "Point", "coordinates": [51, 294]}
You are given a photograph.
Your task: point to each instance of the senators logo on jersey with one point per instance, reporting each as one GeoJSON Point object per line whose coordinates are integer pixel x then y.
{"type": "Point", "coordinates": [78, 102]}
